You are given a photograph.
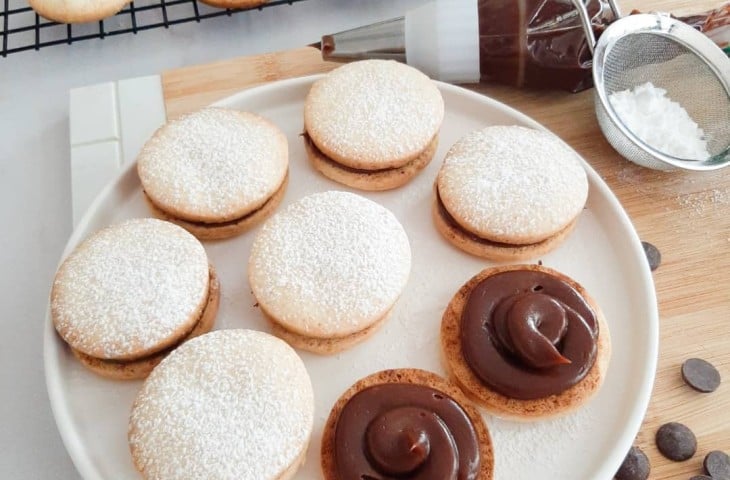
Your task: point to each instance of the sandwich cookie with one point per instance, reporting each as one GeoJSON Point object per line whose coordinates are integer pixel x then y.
{"type": "Point", "coordinates": [215, 172]}
{"type": "Point", "coordinates": [231, 404]}
{"type": "Point", "coordinates": [77, 11]}
{"type": "Point", "coordinates": [327, 270]}
{"type": "Point", "coordinates": [509, 193]}
{"type": "Point", "coordinates": [409, 424]}
{"type": "Point", "coordinates": [372, 124]}
{"type": "Point", "coordinates": [525, 342]}
{"type": "Point", "coordinates": [131, 293]}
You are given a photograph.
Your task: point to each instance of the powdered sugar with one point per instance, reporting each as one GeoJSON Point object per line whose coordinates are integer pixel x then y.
{"type": "Point", "coordinates": [129, 288]}
{"type": "Point", "coordinates": [512, 184]}
{"type": "Point", "coordinates": [213, 165]}
{"type": "Point", "coordinates": [330, 264]}
{"type": "Point", "coordinates": [526, 451]}
{"type": "Point", "coordinates": [232, 404]}
{"type": "Point", "coordinates": [659, 122]}
{"type": "Point", "coordinates": [373, 114]}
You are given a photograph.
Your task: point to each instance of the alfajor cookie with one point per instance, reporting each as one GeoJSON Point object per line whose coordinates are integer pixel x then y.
{"type": "Point", "coordinates": [131, 293]}
{"type": "Point", "coordinates": [372, 124]}
{"type": "Point", "coordinates": [232, 404]}
{"type": "Point", "coordinates": [216, 172]}
{"type": "Point", "coordinates": [526, 342]}
{"type": "Point", "coordinates": [327, 270]}
{"type": "Point", "coordinates": [509, 193]}
{"type": "Point", "coordinates": [405, 423]}
{"type": "Point", "coordinates": [77, 11]}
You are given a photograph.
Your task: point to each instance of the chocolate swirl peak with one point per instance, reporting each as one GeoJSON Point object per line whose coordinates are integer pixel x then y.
{"type": "Point", "coordinates": [528, 334]}
{"type": "Point", "coordinates": [405, 431]}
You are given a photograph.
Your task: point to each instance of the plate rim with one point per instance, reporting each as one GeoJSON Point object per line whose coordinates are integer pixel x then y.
{"type": "Point", "coordinates": [51, 342]}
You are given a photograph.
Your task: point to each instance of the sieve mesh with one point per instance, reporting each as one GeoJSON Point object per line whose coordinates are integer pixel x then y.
{"type": "Point", "coordinates": [670, 65]}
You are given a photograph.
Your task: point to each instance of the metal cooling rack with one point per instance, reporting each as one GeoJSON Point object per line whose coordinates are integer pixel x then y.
{"type": "Point", "coordinates": [23, 29]}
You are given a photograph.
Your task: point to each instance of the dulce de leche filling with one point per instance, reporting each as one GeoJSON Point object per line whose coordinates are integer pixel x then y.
{"type": "Point", "coordinates": [528, 334]}
{"type": "Point", "coordinates": [337, 164]}
{"type": "Point", "coordinates": [399, 430]}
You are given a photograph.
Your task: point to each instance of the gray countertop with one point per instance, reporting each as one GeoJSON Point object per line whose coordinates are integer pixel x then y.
{"type": "Point", "coordinates": [35, 197]}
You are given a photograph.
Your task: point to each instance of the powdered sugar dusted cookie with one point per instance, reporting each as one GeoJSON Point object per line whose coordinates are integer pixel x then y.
{"type": "Point", "coordinates": [372, 124]}
{"type": "Point", "coordinates": [328, 269]}
{"type": "Point", "coordinates": [229, 404]}
{"type": "Point", "coordinates": [215, 172]}
{"type": "Point", "coordinates": [509, 192]}
{"type": "Point", "coordinates": [131, 292]}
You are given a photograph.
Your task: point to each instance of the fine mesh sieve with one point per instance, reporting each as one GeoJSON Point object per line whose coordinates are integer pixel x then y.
{"type": "Point", "coordinates": [674, 56]}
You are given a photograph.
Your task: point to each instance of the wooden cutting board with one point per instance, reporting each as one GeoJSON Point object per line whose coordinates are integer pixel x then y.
{"type": "Point", "coordinates": [686, 215]}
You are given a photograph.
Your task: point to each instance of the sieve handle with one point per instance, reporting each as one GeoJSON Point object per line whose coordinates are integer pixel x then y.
{"type": "Point", "coordinates": [585, 19]}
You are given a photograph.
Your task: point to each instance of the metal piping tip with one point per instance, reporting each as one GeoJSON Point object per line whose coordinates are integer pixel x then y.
{"type": "Point", "coordinates": [383, 40]}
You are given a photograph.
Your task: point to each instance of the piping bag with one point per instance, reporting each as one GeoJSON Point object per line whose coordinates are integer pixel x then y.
{"type": "Point", "coordinates": [525, 43]}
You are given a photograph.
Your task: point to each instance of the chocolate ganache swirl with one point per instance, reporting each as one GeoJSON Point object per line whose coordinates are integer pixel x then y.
{"type": "Point", "coordinates": [405, 431]}
{"type": "Point", "coordinates": [528, 334]}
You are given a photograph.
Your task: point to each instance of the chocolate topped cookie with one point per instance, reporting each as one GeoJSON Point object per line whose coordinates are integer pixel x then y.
{"type": "Point", "coordinates": [405, 424]}
{"type": "Point", "coordinates": [525, 341]}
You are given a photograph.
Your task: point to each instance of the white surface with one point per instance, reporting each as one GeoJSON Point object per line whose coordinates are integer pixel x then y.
{"type": "Point", "coordinates": [93, 113]}
{"type": "Point", "coordinates": [442, 40]}
{"type": "Point", "coordinates": [92, 166]}
{"type": "Point", "coordinates": [36, 180]}
{"type": "Point", "coordinates": [129, 111]}
{"type": "Point", "coordinates": [141, 112]}
{"type": "Point", "coordinates": [92, 413]}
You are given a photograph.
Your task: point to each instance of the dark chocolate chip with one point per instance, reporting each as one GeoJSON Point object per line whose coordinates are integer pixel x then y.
{"type": "Point", "coordinates": [653, 255]}
{"type": "Point", "coordinates": [717, 465]}
{"type": "Point", "coordinates": [701, 477]}
{"type": "Point", "coordinates": [676, 442]}
{"type": "Point", "coordinates": [635, 467]}
{"type": "Point", "coordinates": [700, 375]}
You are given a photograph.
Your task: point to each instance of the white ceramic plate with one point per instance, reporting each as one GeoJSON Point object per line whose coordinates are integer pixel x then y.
{"type": "Point", "coordinates": [603, 253]}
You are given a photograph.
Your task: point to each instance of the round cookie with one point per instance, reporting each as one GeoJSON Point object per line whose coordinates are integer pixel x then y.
{"type": "Point", "coordinates": [235, 4]}
{"type": "Point", "coordinates": [516, 352]}
{"type": "Point", "coordinates": [142, 367]}
{"type": "Point", "coordinates": [77, 11]}
{"type": "Point", "coordinates": [130, 293]}
{"type": "Point", "coordinates": [215, 172]}
{"type": "Point", "coordinates": [395, 423]}
{"type": "Point", "coordinates": [509, 193]}
{"type": "Point", "coordinates": [228, 404]}
{"type": "Point", "coordinates": [372, 124]}
{"type": "Point", "coordinates": [327, 270]}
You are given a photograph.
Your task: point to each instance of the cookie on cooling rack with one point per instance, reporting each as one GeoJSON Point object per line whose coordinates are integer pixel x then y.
{"type": "Point", "coordinates": [228, 404]}
{"type": "Point", "coordinates": [526, 342]}
{"type": "Point", "coordinates": [405, 423]}
{"type": "Point", "coordinates": [327, 270]}
{"type": "Point", "coordinates": [215, 172]}
{"type": "Point", "coordinates": [131, 293]}
{"type": "Point", "coordinates": [77, 11]}
{"type": "Point", "coordinates": [509, 193]}
{"type": "Point", "coordinates": [235, 4]}
{"type": "Point", "coordinates": [372, 124]}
